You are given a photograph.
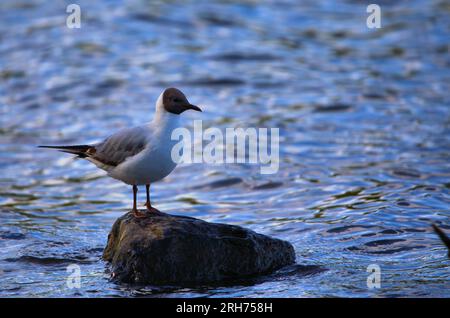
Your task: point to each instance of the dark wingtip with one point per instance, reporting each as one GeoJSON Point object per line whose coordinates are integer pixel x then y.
{"type": "Point", "coordinates": [52, 147]}
{"type": "Point", "coordinates": [444, 238]}
{"type": "Point", "coordinates": [79, 150]}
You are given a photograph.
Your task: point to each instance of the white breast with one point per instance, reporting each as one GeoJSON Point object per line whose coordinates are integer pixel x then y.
{"type": "Point", "coordinates": [155, 161]}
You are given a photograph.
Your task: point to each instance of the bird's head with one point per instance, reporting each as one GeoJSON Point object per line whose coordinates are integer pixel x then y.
{"type": "Point", "coordinates": [175, 102]}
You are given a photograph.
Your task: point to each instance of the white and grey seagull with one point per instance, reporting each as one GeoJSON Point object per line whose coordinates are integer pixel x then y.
{"type": "Point", "coordinates": [140, 155]}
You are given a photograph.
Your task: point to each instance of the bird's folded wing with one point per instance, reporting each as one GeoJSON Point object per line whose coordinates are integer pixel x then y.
{"type": "Point", "coordinates": [119, 147]}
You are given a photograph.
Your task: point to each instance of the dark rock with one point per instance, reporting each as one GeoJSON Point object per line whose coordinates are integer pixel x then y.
{"type": "Point", "coordinates": [179, 250]}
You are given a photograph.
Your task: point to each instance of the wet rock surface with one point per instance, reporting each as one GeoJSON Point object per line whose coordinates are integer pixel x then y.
{"type": "Point", "coordinates": [179, 250]}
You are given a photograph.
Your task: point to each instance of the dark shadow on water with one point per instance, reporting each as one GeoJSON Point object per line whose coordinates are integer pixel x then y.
{"type": "Point", "coordinates": [219, 183]}
{"type": "Point", "coordinates": [285, 273]}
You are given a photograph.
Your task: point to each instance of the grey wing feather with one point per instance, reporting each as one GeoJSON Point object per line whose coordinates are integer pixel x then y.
{"type": "Point", "coordinates": [119, 147]}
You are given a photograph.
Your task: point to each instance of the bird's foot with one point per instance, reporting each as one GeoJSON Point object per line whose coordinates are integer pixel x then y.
{"type": "Point", "coordinates": [138, 214]}
{"type": "Point", "coordinates": [152, 209]}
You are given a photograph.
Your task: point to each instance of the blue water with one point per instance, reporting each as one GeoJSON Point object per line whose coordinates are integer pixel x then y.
{"type": "Point", "coordinates": [364, 137]}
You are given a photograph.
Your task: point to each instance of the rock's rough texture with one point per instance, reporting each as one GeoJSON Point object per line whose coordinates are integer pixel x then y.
{"type": "Point", "coordinates": [167, 249]}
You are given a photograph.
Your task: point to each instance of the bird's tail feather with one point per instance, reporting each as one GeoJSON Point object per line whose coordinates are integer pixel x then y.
{"type": "Point", "coordinates": [445, 239]}
{"type": "Point", "coordinates": [79, 150]}
{"type": "Point", "coordinates": [442, 235]}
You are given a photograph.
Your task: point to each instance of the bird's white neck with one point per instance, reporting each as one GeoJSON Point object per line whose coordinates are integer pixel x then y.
{"type": "Point", "coordinates": [163, 119]}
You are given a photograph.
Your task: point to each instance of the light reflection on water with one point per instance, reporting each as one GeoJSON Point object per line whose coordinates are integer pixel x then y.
{"type": "Point", "coordinates": [364, 127]}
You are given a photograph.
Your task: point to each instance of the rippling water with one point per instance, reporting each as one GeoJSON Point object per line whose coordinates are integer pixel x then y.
{"type": "Point", "coordinates": [364, 126]}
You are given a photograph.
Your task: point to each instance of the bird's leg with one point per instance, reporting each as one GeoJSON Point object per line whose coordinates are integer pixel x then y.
{"type": "Point", "coordinates": [135, 190]}
{"type": "Point", "coordinates": [148, 204]}
{"type": "Point", "coordinates": [135, 211]}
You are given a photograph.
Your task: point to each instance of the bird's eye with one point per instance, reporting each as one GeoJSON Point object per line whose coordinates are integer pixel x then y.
{"type": "Point", "coordinates": [177, 100]}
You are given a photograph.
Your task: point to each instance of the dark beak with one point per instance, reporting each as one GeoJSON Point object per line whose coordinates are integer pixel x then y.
{"type": "Point", "coordinates": [193, 107]}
